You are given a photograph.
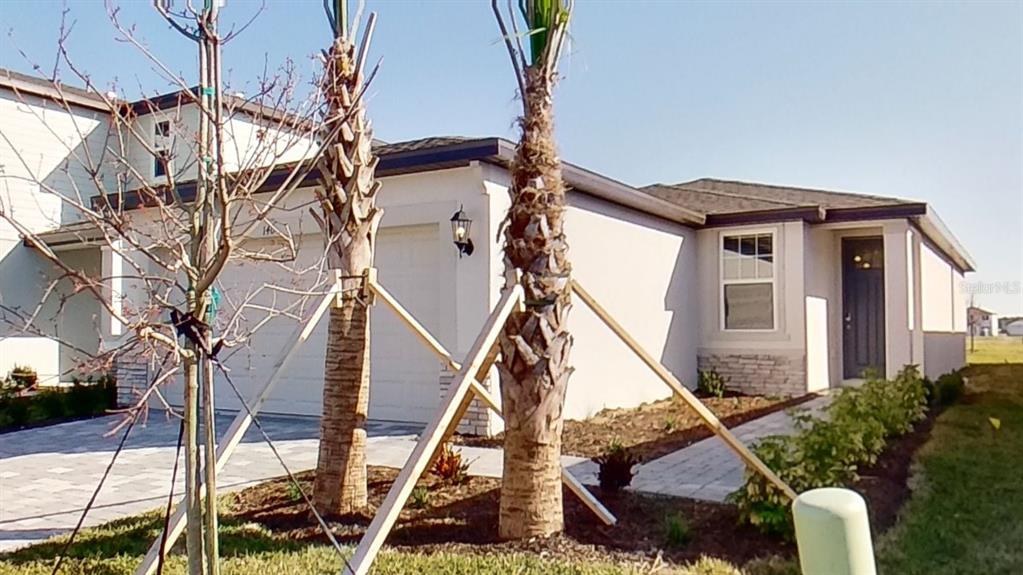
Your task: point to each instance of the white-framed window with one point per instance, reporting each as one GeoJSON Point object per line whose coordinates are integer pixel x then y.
{"type": "Point", "coordinates": [748, 281]}
{"type": "Point", "coordinates": [161, 148]}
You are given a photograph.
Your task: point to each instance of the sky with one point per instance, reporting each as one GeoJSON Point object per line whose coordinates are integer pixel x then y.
{"type": "Point", "coordinates": [921, 100]}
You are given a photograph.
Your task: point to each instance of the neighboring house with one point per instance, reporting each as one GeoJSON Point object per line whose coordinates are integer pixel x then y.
{"type": "Point", "coordinates": [783, 290]}
{"type": "Point", "coordinates": [981, 322]}
{"type": "Point", "coordinates": [1013, 328]}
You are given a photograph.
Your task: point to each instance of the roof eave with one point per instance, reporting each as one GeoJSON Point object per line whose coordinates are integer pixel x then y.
{"type": "Point", "coordinates": [935, 229]}
{"type": "Point", "coordinates": [811, 214]}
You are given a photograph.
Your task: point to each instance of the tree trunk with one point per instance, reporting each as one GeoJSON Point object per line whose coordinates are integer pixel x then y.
{"type": "Point", "coordinates": [340, 485]}
{"type": "Point", "coordinates": [349, 221]}
{"type": "Point", "coordinates": [535, 343]}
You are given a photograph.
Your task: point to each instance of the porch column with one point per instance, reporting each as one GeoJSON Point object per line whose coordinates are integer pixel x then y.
{"type": "Point", "coordinates": [112, 274]}
{"type": "Point", "coordinates": [897, 301]}
{"type": "Point", "coordinates": [917, 323]}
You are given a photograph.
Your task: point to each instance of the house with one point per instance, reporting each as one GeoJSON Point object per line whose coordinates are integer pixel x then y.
{"type": "Point", "coordinates": [1013, 328]}
{"type": "Point", "coordinates": [981, 322]}
{"type": "Point", "coordinates": [783, 290]}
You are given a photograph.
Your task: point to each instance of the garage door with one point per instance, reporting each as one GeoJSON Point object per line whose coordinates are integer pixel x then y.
{"type": "Point", "coordinates": [404, 376]}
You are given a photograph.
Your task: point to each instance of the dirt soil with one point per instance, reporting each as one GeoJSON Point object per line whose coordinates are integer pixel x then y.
{"type": "Point", "coordinates": [464, 518]}
{"type": "Point", "coordinates": [885, 484]}
{"type": "Point", "coordinates": [654, 429]}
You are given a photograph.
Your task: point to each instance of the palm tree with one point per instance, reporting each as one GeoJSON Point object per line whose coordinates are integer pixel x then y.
{"type": "Point", "coordinates": [535, 342]}
{"type": "Point", "coordinates": [349, 218]}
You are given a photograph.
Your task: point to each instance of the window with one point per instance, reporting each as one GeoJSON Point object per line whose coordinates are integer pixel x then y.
{"type": "Point", "coordinates": [747, 281]}
{"type": "Point", "coordinates": [161, 148]}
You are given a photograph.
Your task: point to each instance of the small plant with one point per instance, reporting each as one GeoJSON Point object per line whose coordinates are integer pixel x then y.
{"type": "Point", "coordinates": [449, 466]}
{"type": "Point", "coordinates": [420, 498]}
{"type": "Point", "coordinates": [712, 383]}
{"type": "Point", "coordinates": [676, 531]}
{"type": "Point", "coordinates": [294, 492]}
{"type": "Point", "coordinates": [670, 423]}
{"type": "Point", "coordinates": [616, 465]}
{"type": "Point", "coordinates": [23, 377]}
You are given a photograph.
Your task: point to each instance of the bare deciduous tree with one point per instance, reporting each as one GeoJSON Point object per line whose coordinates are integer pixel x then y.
{"type": "Point", "coordinates": [173, 190]}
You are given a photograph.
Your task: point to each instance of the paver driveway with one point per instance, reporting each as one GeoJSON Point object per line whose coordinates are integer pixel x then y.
{"type": "Point", "coordinates": [48, 474]}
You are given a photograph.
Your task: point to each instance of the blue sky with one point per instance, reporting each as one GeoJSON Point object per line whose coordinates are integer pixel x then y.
{"type": "Point", "coordinates": [918, 100]}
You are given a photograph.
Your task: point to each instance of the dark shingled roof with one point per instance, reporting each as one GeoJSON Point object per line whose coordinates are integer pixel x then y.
{"type": "Point", "coordinates": [711, 196]}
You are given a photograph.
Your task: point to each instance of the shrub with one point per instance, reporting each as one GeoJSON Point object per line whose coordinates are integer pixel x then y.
{"type": "Point", "coordinates": [616, 465]}
{"type": "Point", "coordinates": [948, 389]}
{"type": "Point", "coordinates": [419, 498]}
{"type": "Point", "coordinates": [48, 404]}
{"type": "Point", "coordinates": [676, 530]}
{"type": "Point", "coordinates": [825, 452]}
{"type": "Point", "coordinates": [712, 383]}
{"type": "Point", "coordinates": [90, 398]}
{"type": "Point", "coordinates": [449, 466]}
{"type": "Point", "coordinates": [23, 377]}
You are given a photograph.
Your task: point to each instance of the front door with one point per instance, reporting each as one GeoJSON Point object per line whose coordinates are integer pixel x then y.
{"type": "Point", "coordinates": [862, 305]}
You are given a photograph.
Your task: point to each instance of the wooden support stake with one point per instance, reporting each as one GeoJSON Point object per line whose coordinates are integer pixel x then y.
{"type": "Point", "coordinates": [480, 392]}
{"type": "Point", "coordinates": [237, 430]}
{"type": "Point", "coordinates": [414, 467]}
{"type": "Point", "coordinates": [708, 417]}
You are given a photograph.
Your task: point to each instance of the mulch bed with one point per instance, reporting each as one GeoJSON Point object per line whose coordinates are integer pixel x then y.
{"type": "Point", "coordinates": [464, 518]}
{"type": "Point", "coordinates": [654, 429]}
{"type": "Point", "coordinates": [885, 484]}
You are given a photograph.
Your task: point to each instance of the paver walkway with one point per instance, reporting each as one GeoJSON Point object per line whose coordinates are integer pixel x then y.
{"type": "Point", "coordinates": [48, 474]}
{"type": "Point", "coordinates": [708, 469]}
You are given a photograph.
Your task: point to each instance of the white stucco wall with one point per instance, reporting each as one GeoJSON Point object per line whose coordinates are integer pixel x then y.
{"type": "Point", "coordinates": [38, 166]}
{"type": "Point", "coordinates": [642, 269]}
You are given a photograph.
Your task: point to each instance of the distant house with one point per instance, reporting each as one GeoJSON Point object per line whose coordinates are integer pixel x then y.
{"type": "Point", "coordinates": [1014, 328]}
{"type": "Point", "coordinates": [981, 322]}
{"type": "Point", "coordinates": [783, 290]}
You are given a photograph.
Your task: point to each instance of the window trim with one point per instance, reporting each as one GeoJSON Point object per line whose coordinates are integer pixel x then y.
{"type": "Point", "coordinates": [161, 144]}
{"type": "Point", "coordinates": [722, 282]}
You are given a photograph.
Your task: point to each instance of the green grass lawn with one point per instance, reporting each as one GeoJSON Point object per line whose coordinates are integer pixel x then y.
{"type": "Point", "coordinates": [965, 517]}
{"type": "Point", "coordinates": [116, 548]}
{"type": "Point", "coordinates": [999, 349]}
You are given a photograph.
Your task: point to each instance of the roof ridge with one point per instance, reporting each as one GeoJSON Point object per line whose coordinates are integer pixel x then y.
{"type": "Point", "coordinates": [797, 188]}
{"type": "Point", "coordinates": [724, 194]}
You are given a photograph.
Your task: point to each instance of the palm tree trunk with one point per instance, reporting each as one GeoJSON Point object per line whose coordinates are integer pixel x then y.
{"type": "Point", "coordinates": [340, 485]}
{"type": "Point", "coordinates": [349, 220]}
{"type": "Point", "coordinates": [535, 343]}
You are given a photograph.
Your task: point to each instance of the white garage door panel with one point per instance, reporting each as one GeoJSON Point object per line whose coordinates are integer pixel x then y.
{"type": "Point", "coordinates": [404, 375]}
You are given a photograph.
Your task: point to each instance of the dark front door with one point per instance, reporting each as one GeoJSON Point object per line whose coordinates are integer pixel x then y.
{"type": "Point", "coordinates": [862, 305]}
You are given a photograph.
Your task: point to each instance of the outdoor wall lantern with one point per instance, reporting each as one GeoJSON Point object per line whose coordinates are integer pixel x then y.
{"type": "Point", "coordinates": [460, 226]}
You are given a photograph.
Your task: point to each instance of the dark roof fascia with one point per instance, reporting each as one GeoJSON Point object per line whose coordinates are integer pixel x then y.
{"type": "Point", "coordinates": [24, 84]}
{"type": "Point", "coordinates": [890, 211]}
{"type": "Point", "coordinates": [810, 214]}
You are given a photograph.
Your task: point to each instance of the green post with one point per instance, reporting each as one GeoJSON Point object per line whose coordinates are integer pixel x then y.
{"type": "Point", "coordinates": [833, 533]}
